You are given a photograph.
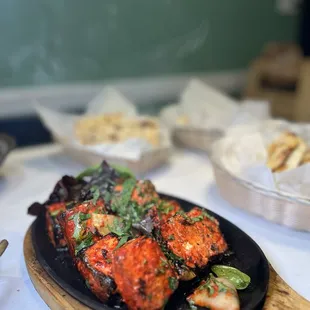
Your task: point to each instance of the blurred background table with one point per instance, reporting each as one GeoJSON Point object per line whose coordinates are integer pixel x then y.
{"type": "Point", "coordinates": [29, 174]}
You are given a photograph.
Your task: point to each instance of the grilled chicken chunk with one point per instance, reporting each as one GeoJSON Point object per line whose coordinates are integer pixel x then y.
{"type": "Point", "coordinates": [132, 199]}
{"type": "Point", "coordinates": [215, 294]}
{"type": "Point", "coordinates": [143, 275]}
{"type": "Point", "coordinates": [77, 226]}
{"type": "Point", "coordinates": [95, 265]}
{"type": "Point", "coordinates": [54, 230]}
{"type": "Point", "coordinates": [194, 237]}
{"type": "Point", "coordinates": [162, 211]}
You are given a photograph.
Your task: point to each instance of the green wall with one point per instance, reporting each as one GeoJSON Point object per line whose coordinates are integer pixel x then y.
{"type": "Point", "coordinates": [54, 41]}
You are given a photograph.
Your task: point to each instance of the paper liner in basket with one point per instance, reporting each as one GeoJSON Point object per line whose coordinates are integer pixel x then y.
{"type": "Point", "coordinates": [129, 153]}
{"type": "Point", "coordinates": [239, 163]}
{"type": "Point", "coordinates": [207, 113]}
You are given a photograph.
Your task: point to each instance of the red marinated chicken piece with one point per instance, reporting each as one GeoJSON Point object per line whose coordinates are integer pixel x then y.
{"type": "Point", "coordinates": [162, 211]}
{"type": "Point", "coordinates": [78, 227]}
{"type": "Point", "coordinates": [143, 275]}
{"type": "Point", "coordinates": [194, 237]}
{"type": "Point", "coordinates": [54, 230]}
{"type": "Point", "coordinates": [132, 199]}
{"type": "Point", "coordinates": [95, 265]}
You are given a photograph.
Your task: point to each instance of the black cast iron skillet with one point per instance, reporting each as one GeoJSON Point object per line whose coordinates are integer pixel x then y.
{"type": "Point", "coordinates": [245, 255]}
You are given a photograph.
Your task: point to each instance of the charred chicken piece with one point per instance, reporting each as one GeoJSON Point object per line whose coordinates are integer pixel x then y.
{"type": "Point", "coordinates": [54, 230]}
{"type": "Point", "coordinates": [143, 275]}
{"type": "Point", "coordinates": [132, 199]}
{"type": "Point", "coordinates": [193, 237]}
{"type": "Point", "coordinates": [162, 211]}
{"type": "Point", "coordinates": [95, 265]}
{"type": "Point", "coordinates": [77, 226]}
{"type": "Point", "coordinates": [215, 294]}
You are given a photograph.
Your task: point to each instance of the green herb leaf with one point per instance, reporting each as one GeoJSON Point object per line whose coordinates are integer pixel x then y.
{"type": "Point", "coordinates": [120, 202]}
{"type": "Point", "coordinates": [96, 193]}
{"type": "Point", "coordinates": [107, 197]}
{"type": "Point", "coordinates": [88, 172]}
{"type": "Point", "coordinates": [55, 213]}
{"type": "Point", "coordinates": [122, 241]}
{"type": "Point", "coordinates": [120, 227]}
{"type": "Point", "coordinates": [197, 218]}
{"type": "Point", "coordinates": [83, 216]}
{"type": "Point", "coordinates": [171, 237]}
{"type": "Point", "coordinates": [123, 171]}
{"type": "Point", "coordinates": [192, 305]}
{"type": "Point", "coordinates": [173, 283]}
{"type": "Point", "coordinates": [87, 284]}
{"type": "Point", "coordinates": [77, 226]}
{"type": "Point", "coordinates": [164, 207]}
{"type": "Point", "coordinates": [210, 217]}
{"type": "Point", "coordinates": [239, 279]}
{"type": "Point", "coordinates": [85, 243]}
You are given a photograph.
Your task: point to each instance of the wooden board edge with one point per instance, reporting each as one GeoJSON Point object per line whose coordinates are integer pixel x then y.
{"type": "Point", "coordinates": [53, 295]}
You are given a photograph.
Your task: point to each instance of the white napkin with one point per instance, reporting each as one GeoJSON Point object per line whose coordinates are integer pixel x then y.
{"type": "Point", "coordinates": [208, 108]}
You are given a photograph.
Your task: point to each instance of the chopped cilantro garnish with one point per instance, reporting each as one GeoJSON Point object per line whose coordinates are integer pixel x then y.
{"type": "Point", "coordinates": [122, 241]}
{"type": "Point", "coordinates": [122, 230]}
{"type": "Point", "coordinates": [120, 201]}
{"type": "Point", "coordinates": [107, 197]}
{"type": "Point", "coordinates": [173, 283]}
{"type": "Point", "coordinates": [123, 171]}
{"type": "Point", "coordinates": [96, 193]}
{"type": "Point", "coordinates": [192, 305]}
{"type": "Point", "coordinates": [210, 217]}
{"type": "Point", "coordinates": [159, 271]}
{"type": "Point", "coordinates": [83, 216]}
{"type": "Point", "coordinates": [55, 213]}
{"type": "Point", "coordinates": [86, 242]}
{"type": "Point", "coordinates": [197, 218]}
{"type": "Point", "coordinates": [78, 227]}
{"type": "Point", "coordinates": [210, 284]}
{"type": "Point", "coordinates": [171, 237]}
{"type": "Point", "coordinates": [165, 208]}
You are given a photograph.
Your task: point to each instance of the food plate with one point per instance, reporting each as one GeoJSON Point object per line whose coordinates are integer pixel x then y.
{"type": "Point", "coordinates": [245, 255]}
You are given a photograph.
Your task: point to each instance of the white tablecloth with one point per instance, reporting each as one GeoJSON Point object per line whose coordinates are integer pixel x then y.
{"type": "Point", "coordinates": [29, 175]}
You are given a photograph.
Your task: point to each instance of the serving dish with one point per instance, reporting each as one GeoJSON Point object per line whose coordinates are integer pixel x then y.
{"type": "Point", "coordinates": [244, 254]}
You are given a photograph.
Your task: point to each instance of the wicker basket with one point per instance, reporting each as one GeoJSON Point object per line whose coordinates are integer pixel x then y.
{"type": "Point", "coordinates": [275, 206]}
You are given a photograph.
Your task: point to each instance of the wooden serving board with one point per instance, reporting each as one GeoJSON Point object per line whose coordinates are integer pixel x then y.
{"type": "Point", "coordinates": [280, 296]}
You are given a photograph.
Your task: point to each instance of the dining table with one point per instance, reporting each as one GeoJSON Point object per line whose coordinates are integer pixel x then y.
{"type": "Point", "coordinates": [29, 174]}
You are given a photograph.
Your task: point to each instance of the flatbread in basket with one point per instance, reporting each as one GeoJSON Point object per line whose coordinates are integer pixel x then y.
{"type": "Point", "coordinates": [240, 165]}
{"type": "Point", "coordinates": [110, 129]}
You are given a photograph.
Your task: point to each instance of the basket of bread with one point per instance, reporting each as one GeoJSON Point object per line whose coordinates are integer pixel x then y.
{"type": "Point", "coordinates": [203, 114]}
{"type": "Point", "coordinates": [264, 168]}
{"type": "Point", "coordinates": [110, 129]}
